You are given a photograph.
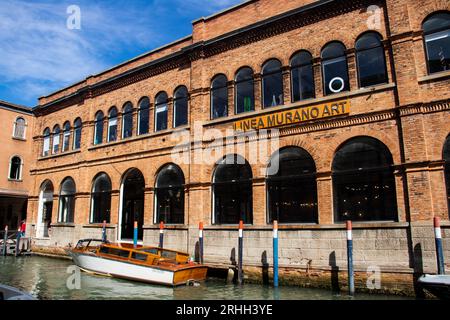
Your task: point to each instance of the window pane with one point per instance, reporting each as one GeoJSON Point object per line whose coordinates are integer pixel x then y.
{"type": "Point", "coordinates": [245, 99]}
{"type": "Point", "coordinates": [161, 117]}
{"type": "Point", "coordinates": [371, 67]}
{"type": "Point", "coordinates": [77, 138]}
{"type": "Point", "coordinates": [181, 111]}
{"type": "Point", "coordinates": [127, 130]}
{"type": "Point", "coordinates": [19, 128]}
{"type": "Point", "coordinates": [170, 205]}
{"type": "Point", "coordinates": [273, 89]}
{"type": "Point", "coordinates": [98, 132]}
{"type": "Point", "coordinates": [15, 165]}
{"type": "Point", "coordinates": [46, 147]}
{"type": "Point", "coordinates": [112, 129]}
{"type": "Point", "coordinates": [56, 137]}
{"type": "Point", "coordinates": [438, 51]}
{"type": "Point", "coordinates": [219, 101]}
{"type": "Point", "coordinates": [335, 75]}
{"type": "Point", "coordinates": [302, 83]}
{"type": "Point", "coordinates": [144, 116]}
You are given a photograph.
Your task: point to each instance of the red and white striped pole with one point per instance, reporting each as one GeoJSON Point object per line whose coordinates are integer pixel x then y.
{"type": "Point", "coordinates": [438, 240]}
{"type": "Point", "coordinates": [240, 251]}
{"type": "Point", "coordinates": [200, 241]}
{"type": "Point", "coordinates": [161, 234]}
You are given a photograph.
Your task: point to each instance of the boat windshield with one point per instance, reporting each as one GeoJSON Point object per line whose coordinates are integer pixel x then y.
{"type": "Point", "coordinates": [115, 252]}
{"type": "Point", "coordinates": [150, 250]}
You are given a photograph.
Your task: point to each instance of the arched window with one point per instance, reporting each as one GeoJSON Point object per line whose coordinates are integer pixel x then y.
{"type": "Point", "coordinates": [370, 60]}
{"type": "Point", "coordinates": [66, 136]}
{"type": "Point", "coordinates": [292, 187]}
{"type": "Point", "coordinates": [112, 124]}
{"type": "Point", "coordinates": [77, 134]}
{"type": "Point", "coordinates": [67, 201]}
{"type": "Point", "coordinates": [15, 168]}
{"type": "Point", "coordinates": [272, 84]}
{"type": "Point", "coordinates": [363, 181]}
{"type": "Point", "coordinates": [144, 116]}
{"type": "Point", "coordinates": [161, 111]}
{"type": "Point", "coordinates": [334, 68]}
{"type": "Point", "coordinates": [302, 76]}
{"type": "Point", "coordinates": [180, 107]}
{"type": "Point", "coordinates": [127, 120]}
{"type": "Point", "coordinates": [19, 128]}
{"type": "Point", "coordinates": [446, 157]}
{"type": "Point", "coordinates": [56, 137]}
{"type": "Point", "coordinates": [169, 195]}
{"type": "Point", "coordinates": [219, 97]}
{"type": "Point", "coordinates": [232, 191]}
{"type": "Point", "coordinates": [101, 199]}
{"type": "Point", "coordinates": [436, 30]}
{"type": "Point", "coordinates": [98, 134]}
{"type": "Point", "coordinates": [244, 91]}
{"type": "Point", "coordinates": [46, 145]}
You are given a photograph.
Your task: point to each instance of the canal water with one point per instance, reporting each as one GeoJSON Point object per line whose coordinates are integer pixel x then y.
{"type": "Point", "coordinates": [47, 278]}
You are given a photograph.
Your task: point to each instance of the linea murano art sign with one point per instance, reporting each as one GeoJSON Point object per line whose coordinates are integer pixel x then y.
{"type": "Point", "coordinates": [293, 116]}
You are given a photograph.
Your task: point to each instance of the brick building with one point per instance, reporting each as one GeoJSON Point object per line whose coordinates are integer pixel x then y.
{"type": "Point", "coordinates": [15, 163]}
{"type": "Point", "coordinates": [358, 92]}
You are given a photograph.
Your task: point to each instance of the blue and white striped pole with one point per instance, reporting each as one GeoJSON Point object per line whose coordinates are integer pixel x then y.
{"type": "Point", "coordinates": [104, 232]}
{"type": "Point", "coordinates": [161, 234]}
{"type": "Point", "coordinates": [351, 279]}
{"type": "Point", "coordinates": [240, 251]}
{"type": "Point", "coordinates": [135, 234]}
{"type": "Point", "coordinates": [200, 242]}
{"type": "Point", "coordinates": [275, 253]}
{"type": "Point", "coordinates": [439, 251]}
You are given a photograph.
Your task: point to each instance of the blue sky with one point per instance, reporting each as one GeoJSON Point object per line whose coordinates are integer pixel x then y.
{"type": "Point", "coordinates": [39, 54]}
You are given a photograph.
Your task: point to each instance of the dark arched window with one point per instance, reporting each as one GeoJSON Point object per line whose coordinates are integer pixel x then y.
{"type": "Point", "coordinates": [244, 91]}
{"type": "Point", "coordinates": [112, 124]}
{"type": "Point", "coordinates": [98, 133]}
{"type": "Point", "coordinates": [334, 68]}
{"type": "Point", "coordinates": [180, 107]}
{"type": "Point", "coordinates": [232, 191]}
{"type": "Point", "coordinates": [161, 111]}
{"type": "Point", "coordinates": [19, 128]}
{"type": "Point", "coordinates": [169, 195]}
{"type": "Point", "coordinates": [272, 84]}
{"type": "Point", "coordinates": [77, 134]}
{"type": "Point", "coordinates": [363, 181]}
{"type": "Point", "coordinates": [127, 120]}
{"type": "Point", "coordinates": [66, 136]}
{"type": "Point", "coordinates": [436, 29]}
{"type": "Point", "coordinates": [302, 76]}
{"type": "Point", "coordinates": [46, 145]}
{"type": "Point", "coordinates": [446, 157]}
{"type": "Point", "coordinates": [101, 199]}
{"type": "Point", "coordinates": [292, 187]}
{"type": "Point", "coordinates": [144, 116]}
{"type": "Point", "coordinates": [56, 139]}
{"type": "Point", "coordinates": [219, 97]}
{"type": "Point", "coordinates": [370, 60]}
{"type": "Point", "coordinates": [15, 168]}
{"type": "Point", "coordinates": [67, 201]}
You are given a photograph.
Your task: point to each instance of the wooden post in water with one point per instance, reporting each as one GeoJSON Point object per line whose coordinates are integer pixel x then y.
{"type": "Point", "coordinates": [275, 253]}
{"type": "Point", "coordinates": [161, 234]}
{"type": "Point", "coordinates": [438, 241]}
{"type": "Point", "coordinates": [200, 242]}
{"type": "Point", "coordinates": [351, 279]}
{"type": "Point", "coordinates": [5, 239]}
{"type": "Point", "coordinates": [240, 251]}
{"type": "Point", "coordinates": [104, 232]}
{"type": "Point", "coordinates": [135, 234]}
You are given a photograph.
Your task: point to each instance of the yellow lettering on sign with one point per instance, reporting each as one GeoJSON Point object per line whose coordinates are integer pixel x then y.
{"type": "Point", "coordinates": [293, 116]}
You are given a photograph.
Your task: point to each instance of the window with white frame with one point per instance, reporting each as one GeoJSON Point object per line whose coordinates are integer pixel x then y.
{"type": "Point", "coordinates": [19, 128]}
{"type": "Point", "coordinates": [15, 168]}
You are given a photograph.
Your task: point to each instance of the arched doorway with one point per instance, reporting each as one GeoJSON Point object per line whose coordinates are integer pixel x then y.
{"type": "Point", "coordinates": [45, 209]}
{"type": "Point", "coordinates": [132, 204]}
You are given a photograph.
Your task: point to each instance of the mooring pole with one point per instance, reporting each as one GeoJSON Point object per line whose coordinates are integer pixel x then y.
{"type": "Point", "coordinates": [5, 239]}
{"type": "Point", "coordinates": [351, 279]}
{"type": "Point", "coordinates": [135, 234]}
{"type": "Point", "coordinates": [240, 251]}
{"type": "Point", "coordinates": [104, 232]}
{"type": "Point", "coordinates": [275, 253]}
{"type": "Point", "coordinates": [200, 241]}
{"type": "Point", "coordinates": [438, 240]}
{"type": "Point", "coordinates": [161, 234]}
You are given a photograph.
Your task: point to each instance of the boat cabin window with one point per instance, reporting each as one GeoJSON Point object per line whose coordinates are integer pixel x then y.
{"type": "Point", "coordinates": [168, 254]}
{"type": "Point", "coordinates": [151, 251]}
{"type": "Point", "coordinates": [139, 256]}
{"type": "Point", "coordinates": [115, 252]}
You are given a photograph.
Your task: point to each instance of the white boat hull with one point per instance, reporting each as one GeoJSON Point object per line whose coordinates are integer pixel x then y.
{"type": "Point", "coordinates": [123, 270]}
